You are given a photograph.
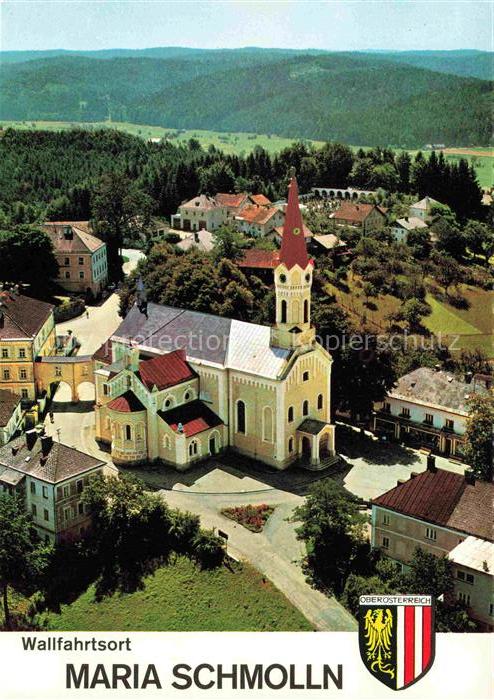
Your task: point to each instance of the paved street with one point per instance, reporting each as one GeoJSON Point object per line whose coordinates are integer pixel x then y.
{"type": "Point", "coordinates": [93, 331]}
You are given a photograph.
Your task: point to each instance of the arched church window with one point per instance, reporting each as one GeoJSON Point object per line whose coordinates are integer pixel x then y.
{"type": "Point", "coordinates": [240, 417]}
{"type": "Point", "coordinates": [306, 311]}
{"type": "Point", "coordinates": [320, 401]}
{"type": "Point", "coordinates": [128, 432]}
{"type": "Point", "coordinates": [283, 311]}
{"type": "Point", "coordinates": [290, 414]}
{"type": "Point", "coordinates": [305, 408]}
{"type": "Point", "coordinates": [267, 424]}
{"type": "Point", "coordinates": [290, 445]}
{"type": "Point", "coordinates": [282, 278]}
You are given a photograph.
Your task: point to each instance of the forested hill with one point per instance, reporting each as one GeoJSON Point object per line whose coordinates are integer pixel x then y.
{"type": "Point", "coordinates": [367, 99]}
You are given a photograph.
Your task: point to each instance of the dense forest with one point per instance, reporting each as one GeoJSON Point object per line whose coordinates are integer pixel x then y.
{"type": "Point", "coordinates": [55, 174]}
{"type": "Point", "coordinates": [374, 99]}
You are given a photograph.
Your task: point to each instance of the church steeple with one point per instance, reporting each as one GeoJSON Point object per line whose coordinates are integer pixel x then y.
{"type": "Point", "coordinates": [293, 250]}
{"type": "Point", "coordinates": [293, 280]}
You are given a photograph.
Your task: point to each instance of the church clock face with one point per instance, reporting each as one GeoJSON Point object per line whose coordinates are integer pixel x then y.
{"type": "Point", "coordinates": [296, 231]}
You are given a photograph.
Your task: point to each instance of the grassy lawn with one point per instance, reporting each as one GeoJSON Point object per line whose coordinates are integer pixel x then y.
{"type": "Point", "coordinates": [181, 597]}
{"type": "Point", "coordinates": [242, 142]}
{"type": "Point", "coordinates": [445, 319]}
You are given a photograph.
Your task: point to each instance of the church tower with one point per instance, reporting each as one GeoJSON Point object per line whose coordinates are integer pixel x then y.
{"type": "Point", "coordinates": [293, 281]}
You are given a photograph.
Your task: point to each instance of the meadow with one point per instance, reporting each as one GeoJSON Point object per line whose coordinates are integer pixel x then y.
{"type": "Point", "coordinates": [241, 143]}
{"type": "Point", "coordinates": [181, 597]}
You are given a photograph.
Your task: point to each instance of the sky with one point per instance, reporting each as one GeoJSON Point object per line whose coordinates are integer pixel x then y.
{"type": "Point", "coordinates": [339, 25]}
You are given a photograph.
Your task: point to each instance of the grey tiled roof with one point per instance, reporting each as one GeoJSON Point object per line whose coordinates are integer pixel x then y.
{"type": "Point", "coordinates": [436, 388]}
{"type": "Point", "coordinates": [312, 426]}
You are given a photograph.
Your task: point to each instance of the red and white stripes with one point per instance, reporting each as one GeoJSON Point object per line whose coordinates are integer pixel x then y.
{"type": "Point", "coordinates": [414, 642]}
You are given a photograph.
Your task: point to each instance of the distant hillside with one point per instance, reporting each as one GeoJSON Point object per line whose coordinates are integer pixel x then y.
{"type": "Point", "coordinates": [357, 98]}
{"type": "Point", "coordinates": [475, 64]}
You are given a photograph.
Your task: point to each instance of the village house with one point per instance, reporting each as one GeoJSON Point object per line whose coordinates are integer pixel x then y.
{"type": "Point", "coordinates": [365, 217]}
{"type": "Point", "coordinates": [27, 332]}
{"type": "Point", "coordinates": [51, 478]}
{"type": "Point", "coordinates": [402, 227]}
{"type": "Point", "coordinates": [259, 221]}
{"type": "Point", "coordinates": [82, 260]}
{"type": "Point", "coordinates": [201, 240]}
{"type": "Point", "coordinates": [446, 514]}
{"type": "Point", "coordinates": [428, 408]}
{"type": "Point", "coordinates": [182, 385]}
{"type": "Point", "coordinates": [260, 263]}
{"type": "Point", "coordinates": [210, 213]}
{"type": "Point", "coordinates": [422, 209]}
{"type": "Point", "coordinates": [10, 415]}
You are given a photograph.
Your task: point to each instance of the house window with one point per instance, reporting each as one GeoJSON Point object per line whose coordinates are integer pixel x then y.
{"type": "Point", "coordinates": [430, 534]}
{"type": "Point", "coordinates": [385, 542]}
{"type": "Point", "coordinates": [80, 508]}
{"type": "Point", "coordinates": [405, 412]}
{"type": "Point", "coordinates": [66, 513]}
{"type": "Point", "coordinates": [429, 419]}
{"type": "Point", "coordinates": [58, 372]}
{"type": "Point", "coordinates": [385, 519]}
{"type": "Point", "coordinates": [290, 414]}
{"type": "Point", "coordinates": [34, 510]}
{"type": "Point", "coordinates": [305, 408]}
{"type": "Point", "coordinates": [470, 578]}
{"type": "Point", "coordinates": [105, 389]}
{"type": "Point", "coordinates": [67, 275]}
{"type": "Point", "coordinates": [45, 491]}
{"type": "Point", "coordinates": [80, 486]}
{"type": "Point", "coordinates": [67, 261]}
{"type": "Point", "coordinates": [491, 609]}
{"type": "Point", "coordinates": [65, 491]}
{"type": "Point", "coordinates": [320, 402]}
{"type": "Point", "coordinates": [24, 394]}
{"type": "Point", "coordinates": [128, 432]}
{"type": "Point", "coordinates": [449, 424]}
{"type": "Point", "coordinates": [22, 353]}
{"type": "Point", "coordinates": [6, 373]}
{"type": "Point", "coordinates": [241, 417]}
{"type": "Point", "coordinates": [193, 448]}
{"type": "Point", "coordinates": [81, 274]}
{"type": "Point", "coordinates": [46, 514]}
{"type": "Point", "coordinates": [81, 261]}
{"type": "Point", "coordinates": [5, 352]}
{"type": "Point", "coordinates": [305, 377]}
{"type": "Point", "coordinates": [22, 374]}
{"type": "Point", "coordinates": [33, 488]}
{"type": "Point", "coordinates": [186, 396]}
{"type": "Point", "coordinates": [464, 597]}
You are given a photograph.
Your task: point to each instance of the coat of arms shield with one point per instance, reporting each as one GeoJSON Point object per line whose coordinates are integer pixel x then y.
{"type": "Point", "coordinates": [396, 637]}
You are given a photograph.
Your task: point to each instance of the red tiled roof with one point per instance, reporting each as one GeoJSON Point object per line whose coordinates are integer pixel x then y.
{"type": "Point", "coordinates": [262, 259]}
{"type": "Point", "coordinates": [126, 403]}
{"type": "Point", "coordinates": [225, 199]}
{"type": "Point", "coordinates": [444, 498]}
{"type": "Point", "coordinates": [22, 316]}
{"type": "Point", "coordinates": [257, 215]}
{"type": "Point", "coordinates": [260, 200]}
{"type": "Point", "coordinates": [165, 370]}
{"type": "Point", "coordinates": [293, 250]}
{"type": "Point", "coordinates": [194, 416]}
{"type": "Point", "coordinates": [354, 212]}
{"type": "Point", "coordinates": [104, 353]}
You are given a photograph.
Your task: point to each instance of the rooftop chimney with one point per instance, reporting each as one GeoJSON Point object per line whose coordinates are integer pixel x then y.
{"type": "Point", "coordinates": [31, 437]}
{"type": "Point", "coordinates": [470, 476]}
{"type": "Point", "coordinates": [431, 463]}
{"type": "Point", "coordinates": [468, 377]}
{"type": "Point", "coordinates": [46, 444]}
{"type": "Point", "coordinates": [68, 233]}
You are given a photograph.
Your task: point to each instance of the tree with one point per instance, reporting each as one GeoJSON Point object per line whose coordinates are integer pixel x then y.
{"type": "Point", "coordinates": [447, 271]}
{"type": "Point", "coordinates": [479, 239]}
{"type": "Point", "coordinates": [218, 177]}
{"type": "Point", "coordinates": [412, 311]}
{"type": "Point", "coordinates": [227, 243]}
{"type": "Point", "coordinates": [478, 435]}
{"type": "Point", "coordinates": [419, 241]}
{"type": "Point", "coordinates": [120, 211]}
{"type": "Point", "coordinates": [428, 574]}
{"type": "Point", "coordinates": [26, 255]}
{"type": "Point", "coordinates": [21, 558]}
{"type": "Point", "coordinates": [333, 530]}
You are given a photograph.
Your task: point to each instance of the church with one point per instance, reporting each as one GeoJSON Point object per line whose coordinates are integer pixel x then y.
{"type": "Point", "coordinates": [178, 386]}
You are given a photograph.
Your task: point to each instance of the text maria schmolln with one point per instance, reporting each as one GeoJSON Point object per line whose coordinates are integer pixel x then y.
{"type": "Point", "coordinates": [181, 676]}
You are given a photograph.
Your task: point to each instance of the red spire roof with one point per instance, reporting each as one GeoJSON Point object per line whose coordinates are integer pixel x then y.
{"type": "Point", "coordinates": [293, 251]}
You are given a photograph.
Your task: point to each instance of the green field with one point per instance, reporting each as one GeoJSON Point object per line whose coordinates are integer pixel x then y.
{"type": "Point", "coordinates": [240, 143]}
{"type": "Point", "coordinates": [180, 597]}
